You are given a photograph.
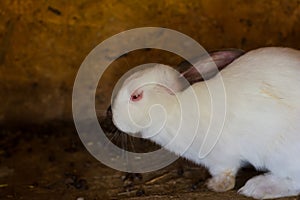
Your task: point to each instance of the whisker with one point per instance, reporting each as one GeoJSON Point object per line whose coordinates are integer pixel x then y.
{"type": "Point", "coordinates": [126, 152]}
{"type": "Point", "coordinates": [123, 149]}
{"type": "Point", "coordinates": [117, 134]}
{"type": "Point", "coordinates": [114, 136]}
{"type": "Point", "coordinates": [122, 142]}
{"type": "Point", "coordinates": [131, 143]}
{"type": "Point", "coordinates": [111, 136]}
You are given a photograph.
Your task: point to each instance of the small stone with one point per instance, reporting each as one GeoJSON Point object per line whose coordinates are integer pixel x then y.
{"type": "Point", "coordinates": [180, 171]}
{"type": "Point", "coordinates": [140, 192]}
{"type": "Point", "coordinates": [81, 184]}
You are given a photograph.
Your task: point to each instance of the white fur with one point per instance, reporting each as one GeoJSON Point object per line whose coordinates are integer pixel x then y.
{"type": "Point", "coordinates": [262, 124]}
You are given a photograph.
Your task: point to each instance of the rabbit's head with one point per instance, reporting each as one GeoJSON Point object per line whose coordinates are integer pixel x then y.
{"type": "Point", "coordinates": [135, 105]}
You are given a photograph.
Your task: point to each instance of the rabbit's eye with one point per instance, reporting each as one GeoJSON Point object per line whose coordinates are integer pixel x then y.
{"type": "Point", "coordinates": [136, 96]}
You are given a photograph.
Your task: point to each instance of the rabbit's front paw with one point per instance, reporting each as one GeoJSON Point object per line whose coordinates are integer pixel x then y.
{"type": "Point", "coordinates": [222, 182]}
{"type": "Point", "coordinates": [268, 187]}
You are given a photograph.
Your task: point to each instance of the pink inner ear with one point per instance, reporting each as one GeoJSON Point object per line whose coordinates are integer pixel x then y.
{"type": "Point", "coordinates": [136, 96]}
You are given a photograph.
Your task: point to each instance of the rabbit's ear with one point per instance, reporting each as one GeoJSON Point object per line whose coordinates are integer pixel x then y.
{"type": "Point", "coordinates": [205, 65]}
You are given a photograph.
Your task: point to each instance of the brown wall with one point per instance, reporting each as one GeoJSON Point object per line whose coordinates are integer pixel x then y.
{"type": "Point", "coordinates": [42, 43]}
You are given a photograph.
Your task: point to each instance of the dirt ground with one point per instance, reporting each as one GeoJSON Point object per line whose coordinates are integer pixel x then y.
{"type": "Point", "coordinates": [51, 163]}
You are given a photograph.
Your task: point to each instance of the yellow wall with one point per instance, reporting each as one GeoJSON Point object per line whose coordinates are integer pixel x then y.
{"type": "Point", "coordinates": [42, 43]}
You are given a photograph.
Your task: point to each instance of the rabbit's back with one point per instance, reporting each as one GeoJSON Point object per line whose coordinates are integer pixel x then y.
{"type": "Point", "coordinates": [263, 106]}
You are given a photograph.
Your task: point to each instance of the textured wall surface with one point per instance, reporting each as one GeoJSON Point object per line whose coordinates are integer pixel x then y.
{"type": "Point", "coordinates": [42, 43]}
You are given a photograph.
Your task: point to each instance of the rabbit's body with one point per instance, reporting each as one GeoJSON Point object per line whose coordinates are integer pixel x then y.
{"type": "Point", "coordinates": [262, 123]}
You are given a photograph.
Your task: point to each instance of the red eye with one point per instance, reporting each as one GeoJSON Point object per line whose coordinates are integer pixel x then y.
{"type": "Point", "coordinates": [136, 96]}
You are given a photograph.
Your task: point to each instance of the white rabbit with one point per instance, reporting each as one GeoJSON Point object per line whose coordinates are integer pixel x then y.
{"type": "Point", "coordinates": [262, 125]}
